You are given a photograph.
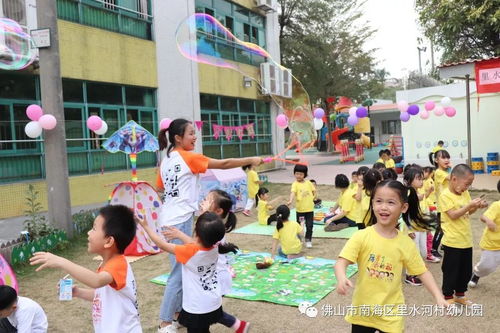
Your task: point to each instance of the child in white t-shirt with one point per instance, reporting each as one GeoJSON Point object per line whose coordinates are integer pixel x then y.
{"type": "Point", "coordinates": [113, 290]}
{"type": "Point", "coordinates": [201, 290]}
{"type": "Point", "coordinates": [20, 314]}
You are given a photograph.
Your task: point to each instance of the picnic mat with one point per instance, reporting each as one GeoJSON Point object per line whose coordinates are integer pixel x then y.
{"type": "Point", "coordinates": [318, 231]}
{"type": "Point", "coordinates": [306, 279]}
{"type": "Point", "coordinates": [319, 213]}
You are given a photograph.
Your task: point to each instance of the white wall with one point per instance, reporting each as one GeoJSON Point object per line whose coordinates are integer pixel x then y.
{"type": "Point", "coordinates": [178, 90]}
{"type": "Point", "coordinates": [420, 136]}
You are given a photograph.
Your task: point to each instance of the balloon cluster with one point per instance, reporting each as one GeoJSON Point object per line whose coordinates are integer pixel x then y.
{"type": "Point", "coordinates": [429, 106]}
{"type": "Point", "coordinates": [319, 113]}
{"type": "Point", "coordinates": [355, 114]}
{"type": "Point", "coordinates": [96, 124]}
{"type": "Point", "coordinates": [39, 121]}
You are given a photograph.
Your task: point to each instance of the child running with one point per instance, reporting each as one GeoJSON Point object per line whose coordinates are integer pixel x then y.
{"type": "Point", "coordinates": [490, 243]}
{"type": "Point", "coordinates": [180, 174]}
{"type": "Point", "coordinates": [286, 235]}
{"type": "Point", "coordinates": [113, 290]}
{"type": "Point", "coordinates": [253, 183]}
{"type": "Point", "coordinates": [201, 296]}
{"type": "Point", "coordinates": [303, 192]}
{"type": "Point", "coordinates": [381, 252]}
{"type": "Point", "coordinates": [456, 207]}
{"type": "Point", "coordinates": [264, 206]}
{"type": "Point", "coordinates": [220, 203]}
{"type": "Point", "coordinates": [441, 181]}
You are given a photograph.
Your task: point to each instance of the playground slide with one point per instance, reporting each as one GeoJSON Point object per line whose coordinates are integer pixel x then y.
{"type": "Point", "coordinates": [335, 136]}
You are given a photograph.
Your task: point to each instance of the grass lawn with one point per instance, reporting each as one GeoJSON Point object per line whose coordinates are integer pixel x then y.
{"type": "Point", "coordinates": [75, 316]}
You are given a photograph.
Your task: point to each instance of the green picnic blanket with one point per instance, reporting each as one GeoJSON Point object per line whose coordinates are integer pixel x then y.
{"type": "Point", "coordinates": [318, 231]}
{"type": "Point", "coordinates": [287, 282]}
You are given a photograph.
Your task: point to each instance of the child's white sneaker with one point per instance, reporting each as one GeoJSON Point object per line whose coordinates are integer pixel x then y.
{"type": "Point", "coordinates": [168, 329]}
{"type": "Point", "coordinates": [309, 244]}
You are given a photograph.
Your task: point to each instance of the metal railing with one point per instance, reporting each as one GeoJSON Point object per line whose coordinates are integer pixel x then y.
{"type": "Point", "coordinates": [105, 14]}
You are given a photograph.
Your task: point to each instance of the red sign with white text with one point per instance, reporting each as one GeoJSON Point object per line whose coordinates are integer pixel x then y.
{"type": "Point", "coordinates": [488, 76]}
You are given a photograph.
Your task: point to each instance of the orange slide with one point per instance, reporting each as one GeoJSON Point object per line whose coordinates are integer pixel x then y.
{"type": "Point", "coordinates": [335, 136]}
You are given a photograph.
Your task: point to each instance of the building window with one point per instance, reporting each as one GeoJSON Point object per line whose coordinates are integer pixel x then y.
{"type": "Point", "coordinates": [235, 112]}
{"type": "Point", "coordinates": [391, 127]}
{"type": "Point", "coordinates": [23, 158]}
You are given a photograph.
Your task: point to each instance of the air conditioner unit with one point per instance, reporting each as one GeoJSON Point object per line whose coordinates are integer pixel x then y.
{"type": "Point", "coordinates": [286, 83]}
{"type": "Point", "coordinates": [270, 76]}
{"type": "Point", "coordinates": [266, 5]}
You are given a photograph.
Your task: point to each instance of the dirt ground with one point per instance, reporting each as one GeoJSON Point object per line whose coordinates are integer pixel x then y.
{"type": "Point", "coordinates": [75, 316]}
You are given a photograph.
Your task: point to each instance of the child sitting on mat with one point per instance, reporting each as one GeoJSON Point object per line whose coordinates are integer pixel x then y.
{"type": "Point", "coordinates": [347, 215]}
{"type": "Point", "coordinates": [287, 235]}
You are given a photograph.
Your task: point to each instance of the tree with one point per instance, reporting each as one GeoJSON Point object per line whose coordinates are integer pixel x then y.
{"type": "Point", "coordinates": [322, 41]}
{"type": "Point", "coordinates": [462, 28]}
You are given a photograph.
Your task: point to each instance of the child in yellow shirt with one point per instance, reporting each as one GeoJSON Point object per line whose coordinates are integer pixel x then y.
{"type": "Point", "coordinates": [347, 215]}
{"type": "Point", "coordinates": [456, 206]}
{"type": "Point", "coordinates": [441, 180]}
{"type": "Point", "coordinates": [381, 252]}
{"type": "Point", "coordinates": [389, 162]}
{"type": "Point", "coordinates": [264, 206]}
{"type": "Point", "coordinates": [286, 235]}
{"type": "Point", "coordinates": [490, 243]}
{"type": "Point", "coordinates": [303, 192]}
{"type": "Point", "coordinates": [253, 183]}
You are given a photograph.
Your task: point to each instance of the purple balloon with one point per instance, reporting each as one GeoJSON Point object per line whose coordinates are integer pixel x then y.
{"type": "Point", "coordinates": [404, 116]}
{"type": "Point", "coordinates": [361, 112]}
{"type": "Point", "coordinates": [413, 109]}
{"type": "Point", "coordinates": [319, 113]}
{"type": "Point", "coordinates": [352, 120]}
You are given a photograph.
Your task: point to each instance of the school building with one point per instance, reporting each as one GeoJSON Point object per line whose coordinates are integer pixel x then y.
{"type": "Point", "coordinates": [119, 60]}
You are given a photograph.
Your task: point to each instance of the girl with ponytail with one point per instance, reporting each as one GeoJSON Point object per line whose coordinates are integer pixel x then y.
{"type": "Point", "coordinates": [381, 252]}
{"type": "Point", "coordinates": [286, 236]}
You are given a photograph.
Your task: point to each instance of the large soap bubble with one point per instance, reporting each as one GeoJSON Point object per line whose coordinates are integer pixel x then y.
{"type": "Point", "coordinates": [203, 39]}
{"type": "Point", "coordinates": [16, 50]}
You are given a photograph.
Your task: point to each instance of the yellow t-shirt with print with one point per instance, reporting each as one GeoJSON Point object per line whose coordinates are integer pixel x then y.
{"type": "Point", "coordinates": [378, 287]}
{"type": "Point", "coordinates": [263, 211]}
{"type": "Point", "coordinates": [441, 183]}
{"type": "Point", "coordinates": [252, 183]}
{"type": "Point", "coordinates": [491, 239]}
{"type": "Point", "coordinates": [390, 163]}
{"type": "Point", "coordinates": [290, 243]}
{"type": "Point", "coordinates": [304, 197]}
{"type": "Point", "coordinates": [348, 204]}
{"type": "Point", "coordinates": [431, 199]}
{"type": "Point", "coordinates": [458, 232]}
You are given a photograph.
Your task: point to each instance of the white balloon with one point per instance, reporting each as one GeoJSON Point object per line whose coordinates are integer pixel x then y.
{"type": "Point", "coordinates": [103, 129]}
{"type": "Point", "coordinates": [446, 101]}
{"type": "Point", "coordinates": [352, 111]}
{"type": "Point", "coordinates": [33, 129]}
{"type": "Point", "coordinates": [318, 124]}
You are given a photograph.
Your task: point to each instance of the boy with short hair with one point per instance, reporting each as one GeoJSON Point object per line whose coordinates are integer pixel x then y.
{"type": "Point", "coordinates": [456, 206]}
{"type": "Point", "coordinates": [389, 162]}
{"type": "Point", "coordinates": [20, 314]}
{"type": "Point", "coordinates": [304, 192]}
{"type": "Point", "coordinates": [490, 243]}
{"type": "Point", "coordinates": [113, 294]}
{"type": "Point", "coordinates": [346, 202]}
{"type": "Point", "coordinates": [382, 156]}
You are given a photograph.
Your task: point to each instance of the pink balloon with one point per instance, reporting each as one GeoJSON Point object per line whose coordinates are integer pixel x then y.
{"type": "Point", "coordinates": [450, 111]}
{"type": "Point", "coordinates": [429, 105]}
{"type": "Point", "coordinates": [404, 116]}
{"type": "Point", "coordinates": [94, 123]}
{"type": "Point", "coordinates": [34, 112]}
{"type": "Point", "coordinates": [439, 111]}
{"type": "Point", "coordinates": [165, 123]}
{"type": "Point", "coordinates": [403, 106]}
{"type": "Point", "coordinates": [352, 120]}
{"type": "Point", "coordinates": [47, 121]}
{"type": "Point", "coordinates": [282, 121]}
{"type": "Point", "coordinates": [424, 114]}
